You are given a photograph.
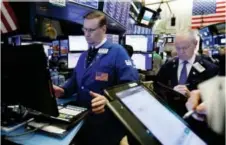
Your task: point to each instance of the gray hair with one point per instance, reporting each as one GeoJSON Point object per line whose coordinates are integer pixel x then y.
{"type": "Point", "coordinates": [192, 35]}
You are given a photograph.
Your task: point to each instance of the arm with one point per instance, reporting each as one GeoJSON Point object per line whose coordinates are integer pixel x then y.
{"type": "Point", "coordinates": [124, 68]}
{"type": "Point", "coordinates": [71, 86]}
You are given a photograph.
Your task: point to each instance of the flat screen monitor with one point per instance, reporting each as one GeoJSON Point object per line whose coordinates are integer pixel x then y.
{"type": "Point", "coordinates": [138, 42]}
{"type": "Point", "coordinates": [73, 59]}
{"type": "Point", "coordinates": [142, 61]}
{"type": "Point", "coordinates": [32, 85]}
{"type": "Point", "coordinates": [221, 28]}
{"type": "Point", "coordinates": [146, 17]}
{"type": "Point", "coordinates": [157, 118]}
{"type": "Point", "coordinates": [223, 40]}
{"type": "Point", "coordinates": [113, 38]}
{"type": "Point", "coordinates": [63, 47]}
{"type": "Point", "coordinates": [77, 43]}
{"type": "Point", "coordinates": [56, 48]}
{"type": "Point", "coordinates": [205, 32]}
{"type": "Point", "coordinates": [48, 49]}
{"type": "Point", "coordinates": [15, 40]}
{"type": "Point", "coordinates": [169, 39]}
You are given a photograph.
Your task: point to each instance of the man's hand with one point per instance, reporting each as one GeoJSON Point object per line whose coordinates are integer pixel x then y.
{"type": "Point", "coordinates": [58, 91]}
{"type": "Point", "coordinates": [193, 104]}
{"type": "Point", "coordinates": [182, 89]}
{"type": "Point", "coordinates": [98, 103]}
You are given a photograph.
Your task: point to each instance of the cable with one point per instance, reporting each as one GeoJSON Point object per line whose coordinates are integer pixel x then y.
{"type": "Point", "coordinates": [169, 7]}
{"type": "Point", "coordinates": [28, 132]}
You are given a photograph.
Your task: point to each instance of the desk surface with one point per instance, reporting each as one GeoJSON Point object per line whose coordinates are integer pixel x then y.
{"type": "Point", "coordinates": [38, 138]}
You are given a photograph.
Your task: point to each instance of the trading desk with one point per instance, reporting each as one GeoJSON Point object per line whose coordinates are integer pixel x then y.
{"type": "Point", "coordinates": [39, 138]}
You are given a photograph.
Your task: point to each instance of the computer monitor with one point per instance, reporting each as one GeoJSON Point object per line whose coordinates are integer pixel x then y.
{"type": "Point", "coordinates": [26, 79]}
{"type": "Point", "coordinates": [77, 43]}
{"type": "Point", "coordinates": [47, 49]}
{"type": "Point", "coordinates": [205, 32]}
{"type": "Point", "coordinates": [146, 17]}
{"type": "Point", "coordinates": [73, 59]}
{"type": "Point", "coordinates": [15, 40]}
{"type": "Point", "coordinates": [133, 102]}
{"type": "Point", "coordinates": [169, 39]}
{"type": "Point", "coordinates": [56, 48]}
{"type": "Point", "coordinates": [63, 47]}
{"type": "Point", "coordinates": [113, 38]}
{"type": "Point", "coordinates": [139, 42]}
{"type": "Point", "coordinates": [142, 61]}
{"type": "Point", "coordinates": [221, 28]}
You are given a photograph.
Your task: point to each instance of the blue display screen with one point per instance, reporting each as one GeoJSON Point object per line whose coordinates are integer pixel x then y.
{"type": "Point", "coordinates": [63, 47]}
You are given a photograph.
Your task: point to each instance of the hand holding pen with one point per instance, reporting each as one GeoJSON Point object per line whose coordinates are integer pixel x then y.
{"type": "Point", "coordinates": [195, 109]}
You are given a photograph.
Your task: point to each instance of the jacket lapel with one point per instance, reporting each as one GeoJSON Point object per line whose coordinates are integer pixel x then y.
{"type": "Point", "coordinates": [193, 73]}
{"type": "Point", "coordinates": [174, 79]}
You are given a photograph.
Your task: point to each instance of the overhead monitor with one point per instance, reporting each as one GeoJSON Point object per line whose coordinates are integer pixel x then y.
{"type": "Point", "coordinates": [63, 47]}
{"type": "Point", "coordinates": [146, 17]}
{"type": "Point", "coordinates": [205, 32]}
{"type": "Point", "coordinates": [77, 43]}
{"type": "Point", "coordinates": [73, 59]}
{"type": "Point", "coordinates": [139, 42]}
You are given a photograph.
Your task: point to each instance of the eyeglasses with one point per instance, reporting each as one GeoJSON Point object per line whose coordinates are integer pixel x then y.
{"type": "Point", "coordinates": [89, 30]}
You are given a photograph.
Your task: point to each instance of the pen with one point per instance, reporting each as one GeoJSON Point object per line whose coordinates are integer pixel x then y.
{"type": "Point", "coordinates": [189, 113]}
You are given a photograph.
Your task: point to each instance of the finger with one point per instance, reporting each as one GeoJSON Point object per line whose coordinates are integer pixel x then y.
{"type": "Point", "coordinates": [97, 99]}
{"type": "Point", "coordinates": [201, 109]}
{"type": "Point", "coordinates": [99, 112]}
{"type": "Point", "coordinates": [102, 102]}
{"type": "Point", "coordinates": [97, 109]}
{"type": "Point", "coordinates": [94, 94]}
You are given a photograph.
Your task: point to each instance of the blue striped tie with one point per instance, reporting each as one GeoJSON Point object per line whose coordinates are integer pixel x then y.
{"type": "Point", "coordinates": [183, 74]}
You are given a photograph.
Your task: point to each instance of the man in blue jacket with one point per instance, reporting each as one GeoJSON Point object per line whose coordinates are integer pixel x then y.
{"type": "Point", "coordinates": [104, 65]}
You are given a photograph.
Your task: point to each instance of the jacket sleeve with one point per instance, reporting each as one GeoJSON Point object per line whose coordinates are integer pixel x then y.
{"type": "Point", "coordinates": [70, 86]}
{"type": "Point", "coordinates": [124, 68]}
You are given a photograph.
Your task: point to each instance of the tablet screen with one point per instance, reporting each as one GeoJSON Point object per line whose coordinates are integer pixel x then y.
{"type": "Point", "coordinates": [158, 119]}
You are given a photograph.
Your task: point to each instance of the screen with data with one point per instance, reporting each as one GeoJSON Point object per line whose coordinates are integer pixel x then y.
{"type": "Point", "coordinates": [142, 61]}
{"type": "Point", "coordinates": [77, 43]}
{"type": "Point", "coordinates": [138, 42]}
{"type": "Point", "coordinates": [73, 60]}
{"type": "Point", "coordinates": [158, 119]}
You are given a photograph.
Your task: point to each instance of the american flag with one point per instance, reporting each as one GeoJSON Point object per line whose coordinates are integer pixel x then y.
{"type": "Point", "coordinates": [8, 18]}
{"type": "Point", "coordinates": [101, 76]}
{"type": "Point", "coordinates": [208, 12]}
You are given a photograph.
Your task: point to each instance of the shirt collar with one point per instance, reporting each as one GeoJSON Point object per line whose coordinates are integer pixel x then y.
{"type": "Point", "coordinates": [101, 43]}
{"type": "Point", "coordinates": [190, 61]}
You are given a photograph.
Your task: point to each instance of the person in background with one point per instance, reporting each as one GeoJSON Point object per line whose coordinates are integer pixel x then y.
{"type": "Point", "coordinates": [157, 62]}
{"type": "Point", "coordinates": [185, 72]}
{"type": "Point", "coordinates": [129, 50]}
{"type": "Point", "coordinates": [104, 65]}
{"type": "Point", "coordinates": [206, 54]}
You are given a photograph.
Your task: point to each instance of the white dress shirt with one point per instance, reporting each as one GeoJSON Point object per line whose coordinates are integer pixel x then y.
{"type": "Point", "coordinates": [188, 66]}
{"type": "Point", "coordinates": [101, 43]}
